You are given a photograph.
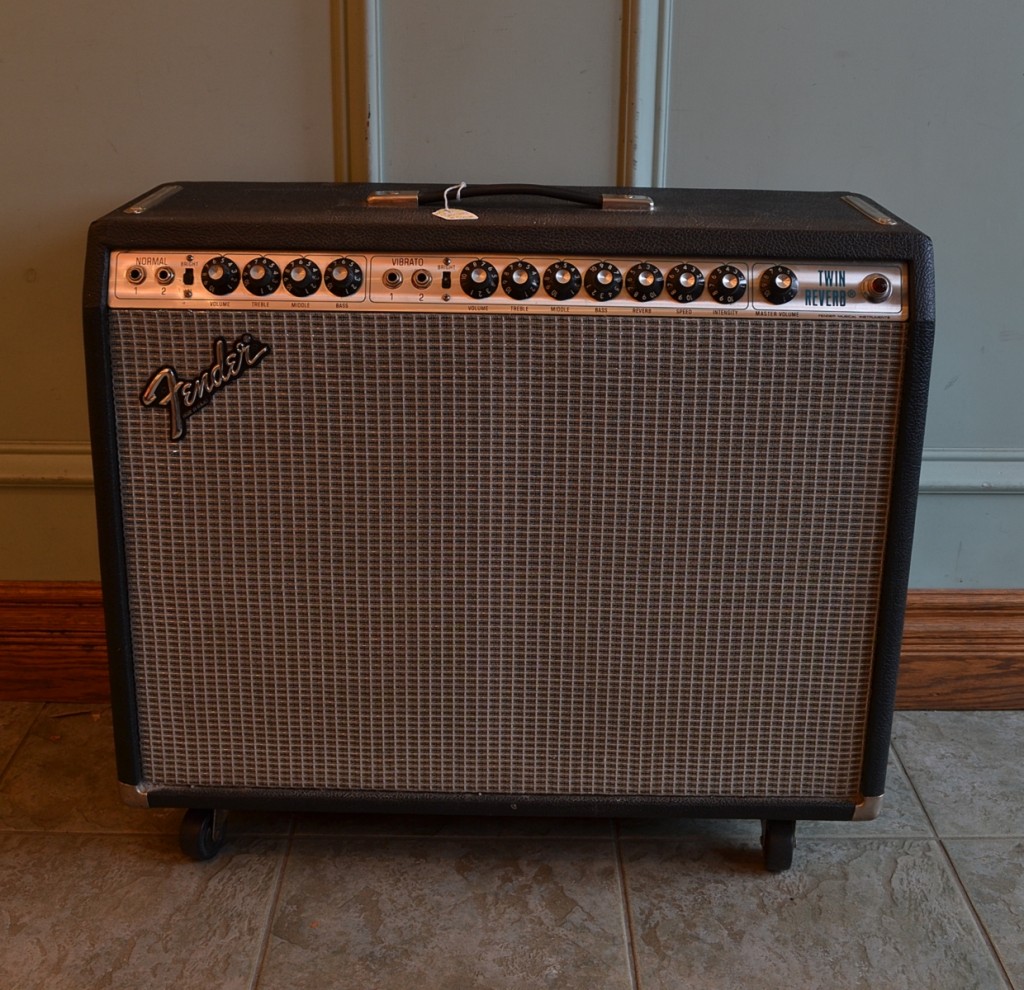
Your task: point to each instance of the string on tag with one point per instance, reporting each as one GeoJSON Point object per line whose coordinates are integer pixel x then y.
{"type": "Point", "coordinates": [458, 193]}
{"type": "Point", "coordinates": [453, 213]}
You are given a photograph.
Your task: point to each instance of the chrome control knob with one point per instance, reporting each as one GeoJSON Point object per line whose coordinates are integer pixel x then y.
{"type": "Point", "coordinates": [644, 282]}
{"type": "Point", "coordinates": [343, 276]}
{"type": "Point", "coordinates": [603, 281]}
{"type": "Point", "coordinates": [220, 276]}
{"type": "Point", "coordinates": [479, 279]}
{"type": "Point", "coordinates": [685, 283]}
{"type": "Point", "coordinates": [727, 284]}
{"type": "Point", "coordinates": [520, 280]}
{"type": "Point", "coordinates": [261, 276]}
{"type": "Point", "coordinates": [779, 284]}
{"type": "Point", "coordinates": [562, 280]}
{"type": "Point", "coordinates": [301, 277]}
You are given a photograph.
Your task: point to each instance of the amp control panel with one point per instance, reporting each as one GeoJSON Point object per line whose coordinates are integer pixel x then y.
{"type": "Point", "coordinates": [499, 283]}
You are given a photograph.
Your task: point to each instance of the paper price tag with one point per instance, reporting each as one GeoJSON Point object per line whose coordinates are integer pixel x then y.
{"type": "Point", "coordinates": [451, 213]}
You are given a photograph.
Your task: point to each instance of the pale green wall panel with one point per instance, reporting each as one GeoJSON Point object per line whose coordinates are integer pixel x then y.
{"type": "Point", "coordinates": [48, 534]}
{"type": "Point", "coordinates": [916, 104]}
{"type": "Point", "coordinates": [103, 100]}
{"type": "Point", "coordinates": [968, 541]}
{"type": "Point", "coordinates": [523, 92]}
{"type": "Point", "coordinates": [920, 106]}
{"type": "Point", "coordinates": [100, 102]}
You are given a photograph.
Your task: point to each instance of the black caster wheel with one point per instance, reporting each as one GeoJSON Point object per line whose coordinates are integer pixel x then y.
{"type": "Point", "coordinates": [202, 833]}
{"type": "Point", "coordinates": [778, 837]}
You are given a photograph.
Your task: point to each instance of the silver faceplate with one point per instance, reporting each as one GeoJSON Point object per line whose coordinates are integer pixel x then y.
{"type": "Point", "coordinates": [826, 290]}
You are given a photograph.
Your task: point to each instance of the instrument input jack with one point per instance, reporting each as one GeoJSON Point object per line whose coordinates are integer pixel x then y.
{"type": "Point", "coordinates": [136, 275]}
{"type": "Point", "coordinates": [165, 275]}
{"type": "Point", "coordinates": [392, 278]}
{"type": "Point", "coordinates": [421, 278]}
{"type": "Point", "coordinates": [877, 288]}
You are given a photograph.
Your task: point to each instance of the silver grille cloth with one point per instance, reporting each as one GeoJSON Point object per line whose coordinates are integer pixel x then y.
{"type": "Point", "coordinates": [604, 556]}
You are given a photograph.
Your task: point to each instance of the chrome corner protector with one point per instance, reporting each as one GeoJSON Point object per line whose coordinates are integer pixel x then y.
{"type": "Point", "coordinates": [627, 202]}
{"type": "Point", "coordinates": [869, 808]}
{"type": "Point", "coordinates": [393, 197]}
{"type": "Point", "coordinates": [155, 198]}
{"type": "Point", "coordinates": [872, 212]}
{"type": "Point", "coordinates": [135, 795]}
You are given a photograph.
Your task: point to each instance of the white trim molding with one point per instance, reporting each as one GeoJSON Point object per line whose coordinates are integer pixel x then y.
{"type": "Point", "coordinates": [45, 464]}
{"type": "Point", "coordinates": [356, 80]}
{"type": "Point", "coordinates": [644, 93]}
{"type": "Point", "coordinates": [972, 471]}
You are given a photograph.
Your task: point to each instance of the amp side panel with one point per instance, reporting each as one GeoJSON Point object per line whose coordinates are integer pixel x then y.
{"type": "Point", "coordinates": [108, 492]}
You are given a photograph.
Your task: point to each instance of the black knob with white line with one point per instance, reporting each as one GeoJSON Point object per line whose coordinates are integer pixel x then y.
{"type": "Point", "coordinates": [644, 282]}
{"type": "Point", "coordinates": [779, 284]}
{"type": "Point", "coordinates": [562, 280]}
{"type": "Point", "coordinates": [301, 277]}
{"type": "Point", "coordinates": [685, 283]}
{"type": "Point", "coordinates": [520, 280]}
{"type": "Point", "coordinates": [220, 276]}
{"type": "Point", "coordinates": [727, 285]}
{"type": "Point", "coordinates": [479, 279]}
{"type": "Point", "coordinates": [261, 276]}
{"type": "Point", "coordinates": [343, 276]}
{"type": "Point", "coordinates": [603, 281]}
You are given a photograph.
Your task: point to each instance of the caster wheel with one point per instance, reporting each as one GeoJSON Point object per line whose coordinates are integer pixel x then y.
{"type": "Point", "coordinates": [778, 838]}
{"type": "Point", "coordinates": [202, 833]}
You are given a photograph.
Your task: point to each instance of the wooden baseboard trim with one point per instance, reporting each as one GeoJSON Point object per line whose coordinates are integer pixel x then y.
{"type": "Point", "coordinates": [52, 642]}
{"type": "Point", "coordinates": [961, 649]}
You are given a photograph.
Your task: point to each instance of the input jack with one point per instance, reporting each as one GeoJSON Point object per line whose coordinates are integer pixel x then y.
{"type": "Point", "coordinates": [165, 275]}
{"type": "Point", "coordinates": [136, 275]}
{"type": "Point", "coordinates": [877, 288]}
{"type": "Point", "coordinates": [392, 278]}
{"type": "Point", "coordinates": [421, 278]}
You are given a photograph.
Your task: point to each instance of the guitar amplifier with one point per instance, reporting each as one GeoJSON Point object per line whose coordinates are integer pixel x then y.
{"type": "Point", "coordinates": [553, 501]}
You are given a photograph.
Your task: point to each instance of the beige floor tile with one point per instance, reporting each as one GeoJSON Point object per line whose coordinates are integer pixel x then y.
{"type": "Point", "coordinates": [16, 718]}
{"type": "Point", "coordinates": [967, 768]}
{"type": "Point", "coordinates": [992, 871]}
{"type": "Point", "coordinates": [851, 914]}
{"type": "Point", "coordinates": [441, 914]}
{"type": "Point", "coordinates": [84, 911]}
{"type": "Point", "coordinates": [64, 779]}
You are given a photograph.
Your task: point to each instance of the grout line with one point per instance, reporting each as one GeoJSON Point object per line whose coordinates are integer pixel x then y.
{"type": "Point", "coordinates": [940, 841]}
{"type": "Point", "coordinates": [17, 748]}
{"type": "Point", "coordinates": [914, 790]}
{"type": "Point", "coordinates": [627, 911]}
{"type": "Point", "coordinates": [958, 881]}
{"type": "Point", "coordinates": [268, 924]}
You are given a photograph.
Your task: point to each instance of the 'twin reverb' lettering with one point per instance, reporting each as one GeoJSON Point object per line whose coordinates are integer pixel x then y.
{"type": "Point", "coordinates": [182, 398]}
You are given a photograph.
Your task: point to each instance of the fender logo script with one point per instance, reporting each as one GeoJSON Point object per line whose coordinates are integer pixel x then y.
{"type": "Point", "coordinates": [182, 397]}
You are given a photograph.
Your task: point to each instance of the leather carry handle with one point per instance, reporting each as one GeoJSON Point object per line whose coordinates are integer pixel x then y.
{"type": "Point", "coordinates": [602, 201]}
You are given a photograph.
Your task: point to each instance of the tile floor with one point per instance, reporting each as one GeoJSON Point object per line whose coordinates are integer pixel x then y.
{"type": "Point", "coordinates": [929, 897]}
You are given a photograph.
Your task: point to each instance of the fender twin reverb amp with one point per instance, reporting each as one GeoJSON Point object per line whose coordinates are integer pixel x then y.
{"type": "Point", "coordinates": [599, 504]}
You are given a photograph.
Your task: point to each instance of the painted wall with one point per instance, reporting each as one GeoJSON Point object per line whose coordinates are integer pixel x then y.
{"type": "Point", "coordinates": [921, 107]}
{"type": "Point", "coordinates": [102, 101]}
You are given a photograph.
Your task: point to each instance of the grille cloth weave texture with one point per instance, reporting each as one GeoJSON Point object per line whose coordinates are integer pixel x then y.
{"type": "Point", "coordinates": [485, 554]}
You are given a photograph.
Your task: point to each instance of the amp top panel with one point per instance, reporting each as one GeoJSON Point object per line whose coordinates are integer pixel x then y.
{"type": "Point", "coordinates": [501, 284]}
